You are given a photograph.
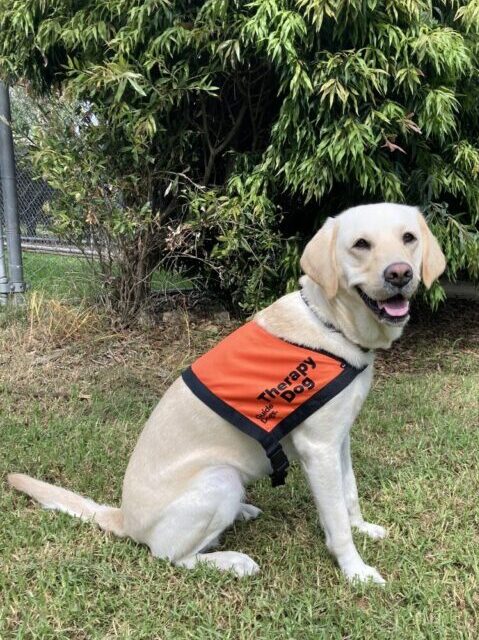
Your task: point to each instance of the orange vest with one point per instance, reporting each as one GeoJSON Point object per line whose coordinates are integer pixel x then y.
{"type": "Point", "coordinates": [266, 386]}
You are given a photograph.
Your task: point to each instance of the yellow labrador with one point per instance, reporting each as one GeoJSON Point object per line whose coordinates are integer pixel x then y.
{"type": "Point", "coordinates": [184, 484]}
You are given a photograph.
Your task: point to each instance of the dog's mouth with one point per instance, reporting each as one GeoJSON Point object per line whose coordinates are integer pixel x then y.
{"type": "Point", "coordinates": [393, 310]}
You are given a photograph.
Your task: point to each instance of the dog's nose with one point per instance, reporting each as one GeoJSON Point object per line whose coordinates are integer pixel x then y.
{"type": "Point", "coordinates": [398, 274]}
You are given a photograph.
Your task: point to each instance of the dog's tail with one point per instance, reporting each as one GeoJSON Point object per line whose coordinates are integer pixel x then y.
{"type": "Point", "coordinates": [51, 497]}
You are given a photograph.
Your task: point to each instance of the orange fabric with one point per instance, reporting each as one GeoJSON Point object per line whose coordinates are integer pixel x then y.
{"type": "Point", "coordinates": [264, 377]}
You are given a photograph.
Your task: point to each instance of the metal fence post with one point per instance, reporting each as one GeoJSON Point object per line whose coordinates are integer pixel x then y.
{"type": "Point", "coordinates": [10, 209]}
{"type": "Point", "coordinates": [4, 284]}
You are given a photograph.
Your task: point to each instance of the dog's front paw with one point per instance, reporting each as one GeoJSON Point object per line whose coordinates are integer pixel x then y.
{"type": "Point", "coordinates": [374, 531]}
{"type": "Point", "coordinates": [363, 573]}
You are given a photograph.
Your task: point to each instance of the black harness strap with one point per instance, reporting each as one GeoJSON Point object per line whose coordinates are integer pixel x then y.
{"type": "Point", "coordinates": [279, 462]}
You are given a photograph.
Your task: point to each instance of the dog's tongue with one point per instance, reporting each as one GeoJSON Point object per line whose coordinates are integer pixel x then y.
{"type": "Point", "coordinates": [395, 307]}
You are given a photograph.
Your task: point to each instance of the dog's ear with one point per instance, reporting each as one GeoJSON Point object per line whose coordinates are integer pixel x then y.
{"type": "Point", "coordinates": [319, 258]}
{"type": "Point", "coordinates": [433, 260]}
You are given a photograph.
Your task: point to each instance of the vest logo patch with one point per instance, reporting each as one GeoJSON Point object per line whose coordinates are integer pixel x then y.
{"type": "Point", "coordinates": [287, 389]}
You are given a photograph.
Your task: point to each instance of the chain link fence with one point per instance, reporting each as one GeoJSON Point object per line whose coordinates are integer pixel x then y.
{"type": "Point", "coordinates": [35, 225]}
{"type": "Point", "coordinates": [32, 195]}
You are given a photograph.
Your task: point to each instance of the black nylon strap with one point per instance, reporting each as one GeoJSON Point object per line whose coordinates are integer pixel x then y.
{"type": "Point", "coordinates": [279, 462]}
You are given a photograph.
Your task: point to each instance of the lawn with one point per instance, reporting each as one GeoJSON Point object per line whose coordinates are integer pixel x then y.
{"type": "Point", "coordinates": [70, 277]}
{"type": "Point", "coordinates": [73, 406]}
{"type": "Point", "coordinates": [58, 276]}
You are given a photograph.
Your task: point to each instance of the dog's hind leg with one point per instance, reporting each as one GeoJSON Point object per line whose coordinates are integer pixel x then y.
{"type": "Point", "coordinates": [248, 512]}
{"type": "Point", "coordinates": [193, 522]}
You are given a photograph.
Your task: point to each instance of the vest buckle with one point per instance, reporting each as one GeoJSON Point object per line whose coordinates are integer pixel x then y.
{"type": "Point", "coordinates": [279, 463]}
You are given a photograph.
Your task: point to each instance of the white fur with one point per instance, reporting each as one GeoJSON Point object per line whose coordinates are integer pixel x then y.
{"type": "Point", "coordinates": [184, 483]}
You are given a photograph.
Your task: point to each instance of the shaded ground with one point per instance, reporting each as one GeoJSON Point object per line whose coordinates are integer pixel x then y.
{"type": "Point", "coordinates": [435, 340]}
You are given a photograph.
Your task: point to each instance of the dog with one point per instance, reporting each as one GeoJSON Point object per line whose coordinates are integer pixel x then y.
{"type": "Point", "coordinates": [185, 480]}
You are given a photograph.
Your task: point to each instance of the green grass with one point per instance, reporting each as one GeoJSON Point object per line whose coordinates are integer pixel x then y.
{"type": "Point", "coordinates": [62, 277]}
{"type": "Point", "coordinates": [416, 456]}
{"type": "Point", "coordinates": [71, 277]}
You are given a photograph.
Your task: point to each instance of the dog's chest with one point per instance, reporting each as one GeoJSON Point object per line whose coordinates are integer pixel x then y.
{"type": "Point", "coordinates": [332, 421]}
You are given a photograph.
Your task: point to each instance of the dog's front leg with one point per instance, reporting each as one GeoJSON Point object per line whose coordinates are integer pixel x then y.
{"type": "Point", "coordinates": [350, 489]}
{"type": "Point", "coordinates": [322, 464]}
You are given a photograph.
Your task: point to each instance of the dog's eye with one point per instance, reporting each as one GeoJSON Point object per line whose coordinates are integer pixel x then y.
{"type": "Point", "coordinates": [408, 238]}
{"type": "Point", "coordinates": [361, 244]}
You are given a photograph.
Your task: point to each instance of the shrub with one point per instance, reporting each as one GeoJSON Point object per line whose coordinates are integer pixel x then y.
{"type": "Point", "coordinates": [230, 129]}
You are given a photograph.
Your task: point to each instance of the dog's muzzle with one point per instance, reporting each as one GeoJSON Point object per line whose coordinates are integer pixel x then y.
{"type": "Point", "coordinates": [393, 310]}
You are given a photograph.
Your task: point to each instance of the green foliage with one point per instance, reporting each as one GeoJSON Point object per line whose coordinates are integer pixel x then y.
{"type": "Point", "coordinates": [236, 235]}
{"type": "Point", "coordinates": [234, 125]}
{"type": "Point", "coordinates": [96, 204]}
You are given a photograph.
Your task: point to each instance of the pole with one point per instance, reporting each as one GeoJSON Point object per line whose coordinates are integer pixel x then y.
{"type": "Point", "coordinates": [9, 189]}
{"type": "Point", "coordinates": [4, 284]}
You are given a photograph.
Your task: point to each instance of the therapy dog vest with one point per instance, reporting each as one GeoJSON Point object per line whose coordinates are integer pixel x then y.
{"type": "Point", "coordinates": [266, 386]}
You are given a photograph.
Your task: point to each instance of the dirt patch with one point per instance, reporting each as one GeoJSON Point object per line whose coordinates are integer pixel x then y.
{"type": "Point", "coordinates": [34, 365]}
{"type": "Point", "coordinates": [435, 340]}
{"type": "Point", "coordinates": [42, 365]}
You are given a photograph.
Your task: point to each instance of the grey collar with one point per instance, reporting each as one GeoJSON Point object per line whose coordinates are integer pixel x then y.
{"type": "Point", "coordinates": [327, 324]}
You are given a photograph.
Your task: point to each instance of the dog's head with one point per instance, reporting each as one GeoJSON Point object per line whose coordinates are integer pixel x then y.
{"type": "Point", "coordinates": [379, 252]}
